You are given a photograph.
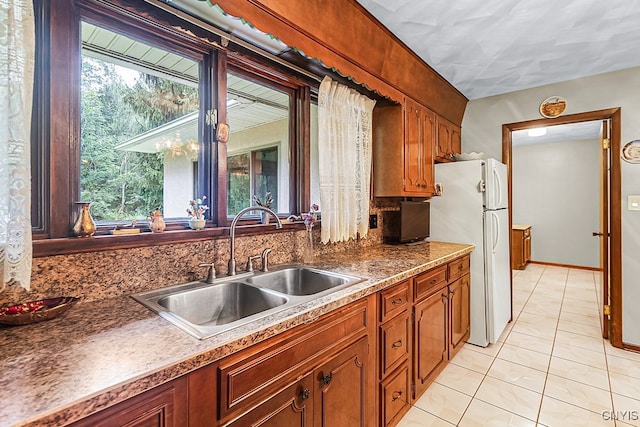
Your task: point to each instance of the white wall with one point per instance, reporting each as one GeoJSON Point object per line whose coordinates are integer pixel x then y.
{"type": "Point", "coordinates": [178, 185]}
{"type": "Point", "coordinates": [482, 131]}
{"type": "Point", "coordinates": [553, 190]}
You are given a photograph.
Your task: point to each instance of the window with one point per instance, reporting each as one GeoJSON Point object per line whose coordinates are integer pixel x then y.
{"type": "Point", "coordinates": [138, 126]}
{"type": "Point", "coordinates": [259, 145]}
{"type": "Point", "coordinates": [137, 130]}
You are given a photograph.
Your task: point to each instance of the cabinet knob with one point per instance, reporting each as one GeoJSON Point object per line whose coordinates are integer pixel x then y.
{"type": "Point", "coordinates": [397, 344]}
{"type": "Point", "coordinates": [396, 395]}
{"type": "Point", "coordinates": [445, 298]}
{"type": "Point", "coordinates": [326, 379]}
{"type": "Point", "coordinates": [396, 301]}
{"type": "Point", "coordinates": [304, 394]}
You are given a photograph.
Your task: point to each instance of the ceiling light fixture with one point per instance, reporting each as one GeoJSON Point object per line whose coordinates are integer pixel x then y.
{"type": "Point", "coordinates": [537, 131]}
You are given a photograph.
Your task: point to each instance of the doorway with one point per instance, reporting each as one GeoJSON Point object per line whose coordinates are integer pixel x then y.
{"type": "Point", "coordinates": [611, 248]}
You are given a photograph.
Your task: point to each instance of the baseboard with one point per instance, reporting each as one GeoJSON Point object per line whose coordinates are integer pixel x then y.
{"type": "Point", "coordinates": [555, 264]}
{"type": "Point", "coordinates": [631, 347]}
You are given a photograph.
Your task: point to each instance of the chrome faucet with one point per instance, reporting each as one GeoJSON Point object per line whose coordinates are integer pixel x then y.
{"type": "Point", "coordinates": [232, 233]}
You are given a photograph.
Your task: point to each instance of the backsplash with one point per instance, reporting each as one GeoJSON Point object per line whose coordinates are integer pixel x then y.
{"type": "Point", "coordinates": [94, 276]}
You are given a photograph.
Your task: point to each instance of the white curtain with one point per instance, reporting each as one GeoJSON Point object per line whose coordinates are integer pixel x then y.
{"type": "Point", "coordinates": [17, 49]}
{"type": "Point", "coordinates": [344, 148]}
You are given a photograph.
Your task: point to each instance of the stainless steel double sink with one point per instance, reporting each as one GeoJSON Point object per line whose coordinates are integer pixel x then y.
{"type": "Point", "coordinates": [204, 310]}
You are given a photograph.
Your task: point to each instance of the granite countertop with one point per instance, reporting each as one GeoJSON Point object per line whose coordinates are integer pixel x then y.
{"type": "Point", "coordinates": [103, 352]}
{"type": "Point", "coordinates": [520, 226]}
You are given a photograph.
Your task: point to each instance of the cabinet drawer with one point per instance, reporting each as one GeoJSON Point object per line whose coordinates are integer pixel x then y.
{"type": "Point", "coordinates": [394, 300]}
{"type": "Point", "coordinates": [394, 396]}
{"type": "Point", "coordinates": [457, 268]}
{"type": "Point", "coordinates": [429, 282]}
{"type": "Point", "coordinates": [394, 343]}
{"type": "Point", "coordinates": [249, 377]}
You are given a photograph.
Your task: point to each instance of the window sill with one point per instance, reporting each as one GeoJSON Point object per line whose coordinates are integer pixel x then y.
{"type": "Point", "coordinates": [74, 245]}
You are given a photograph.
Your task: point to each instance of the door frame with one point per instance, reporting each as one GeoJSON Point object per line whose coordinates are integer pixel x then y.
{"type": "Point", "coordinates": [615, 199]}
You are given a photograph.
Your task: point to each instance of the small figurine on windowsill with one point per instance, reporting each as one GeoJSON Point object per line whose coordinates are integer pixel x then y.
{"type": "Point", "coordinates": [196, 212]}
{"type": "Point", "coordinates": [310, 217]}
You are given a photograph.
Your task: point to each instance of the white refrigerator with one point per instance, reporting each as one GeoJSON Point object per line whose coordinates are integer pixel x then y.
{"type": "Point", "coordinates": [473, 208]}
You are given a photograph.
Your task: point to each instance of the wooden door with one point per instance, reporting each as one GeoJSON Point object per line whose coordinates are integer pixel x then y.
{"type": "Point", "coordinates": [342, 392]}
{"type": "Point", "coordinates": [459, 316]}
{"type": "Point", "coordinates": [292, 407]}
{"type": "Point", "coordinates": [603, 233]}
{"type": "Point", "coordinates": [430, 347]}
{"type": "Point", "coordinates": [413, 146]}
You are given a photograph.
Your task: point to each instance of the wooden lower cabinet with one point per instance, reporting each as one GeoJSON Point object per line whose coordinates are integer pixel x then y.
{"type": "Point", "coordinates": [291, 407]}
{"type": "Point", "coordinates": [459, 315]}
{"type": "Point", "coordinates": [341, 386]}
{"type": "Point", "coordinates": [162, 406]}
{"type": "Point", "coordinates": [320, 374]}
{"type": "Point", "coordinates": [395, 395]}
{"type": "Point", "coordinates": [431, 345]}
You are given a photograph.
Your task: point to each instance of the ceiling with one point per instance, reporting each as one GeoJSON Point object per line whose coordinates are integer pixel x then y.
{"type": "Point", "coordinates": [491, 47]}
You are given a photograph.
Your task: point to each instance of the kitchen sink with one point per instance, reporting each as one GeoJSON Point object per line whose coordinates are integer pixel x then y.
{"type": "Point", "coordinates": [206, 309]}
{"type": "Point", "coordinates": [301, 280]}
{"type": "Point", "coordinates": [220, 304]}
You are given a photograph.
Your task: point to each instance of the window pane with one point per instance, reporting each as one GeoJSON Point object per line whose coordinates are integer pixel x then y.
{"type": "Point", "coordinates": [259, 117]}
{"type": "Point", "coordinates": [139, 127]}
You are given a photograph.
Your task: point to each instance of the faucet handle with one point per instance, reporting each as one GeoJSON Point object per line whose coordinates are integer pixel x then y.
{"type": "Point", "coordinates": [265, 259]}
{"type": "Point", "coordinates": [250, 262]}
{"type": "Point", "coordinates": [211, 273]}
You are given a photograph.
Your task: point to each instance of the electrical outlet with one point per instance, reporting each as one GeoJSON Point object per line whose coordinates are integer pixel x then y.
{"type": "Point", "coordinates": [373, 221]}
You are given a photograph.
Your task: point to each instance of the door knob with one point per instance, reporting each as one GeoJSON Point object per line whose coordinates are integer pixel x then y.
{"type": "Point", "coordinates": [595, 233]}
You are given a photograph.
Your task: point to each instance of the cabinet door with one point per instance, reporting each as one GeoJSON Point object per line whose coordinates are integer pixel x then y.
{"type": "Point", "coordinates": [430, 347]}
{"type": "Point", "coordinates": [343, 394]}
{"type": "Point", "coordinates": [428, 141]}
{"type": "Point", "coordinates": [413, 146]}
{"type": "Point", "coordinates": [292, 407]}
{"type": "Point", "coordinates": [443, 147]}
{"type": "Point", "coordinates": [456, 140]}
{"type": "Point", "coordinates": [163, 406]}
{"type": "Point", "coordinates": [459, 314]}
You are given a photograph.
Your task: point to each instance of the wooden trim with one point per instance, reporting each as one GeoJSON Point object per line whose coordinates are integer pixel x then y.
{"type": "Point", "coordinates": [615, 198]}
{"type": "Point", "coordinates": [74, 245]}
{"type": "Point", "coordinates": [390, 68]}
{"type": "Point", "coordinates": [557, 264]}
{"type": "Point", "coordinates": [631, 347]}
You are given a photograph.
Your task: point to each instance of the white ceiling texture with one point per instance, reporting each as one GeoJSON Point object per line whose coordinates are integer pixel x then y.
{"type": "Point", "coordinates": [492, 47]}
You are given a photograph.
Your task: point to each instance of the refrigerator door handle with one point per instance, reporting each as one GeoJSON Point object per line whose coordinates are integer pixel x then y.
{"type": "Point", "coordinates": [496, 231]}
{"type": "Point", "coordinates": [497, 187]}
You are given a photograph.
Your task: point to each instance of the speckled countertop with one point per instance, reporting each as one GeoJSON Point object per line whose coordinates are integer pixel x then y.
{"type": "Point", "coordinates": [103, 352]}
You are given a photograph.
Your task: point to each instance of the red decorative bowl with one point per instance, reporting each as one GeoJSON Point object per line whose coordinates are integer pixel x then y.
{"type": "Point", "coordinates": [35, 311]}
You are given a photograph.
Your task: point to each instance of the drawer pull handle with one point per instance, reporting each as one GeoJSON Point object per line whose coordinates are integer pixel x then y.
{"type": "Point", "coordinates": [397, 344]}
{"type": "Point", "coordinates": [396, 395]}
{"type": "Point", "coordinates": [433, 281]}
{"type": "Point", "coordinates": [304, 395]}
{"type": "Point", "coordinates": [396, 301]}
{"type": "Point", "coordinates": [460, 267]}
{"type": "Point", "coordinates": [326, 380]}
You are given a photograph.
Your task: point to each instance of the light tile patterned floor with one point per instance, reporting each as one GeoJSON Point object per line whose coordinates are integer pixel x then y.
{"type": "Point", "coordinates": [549, 368]}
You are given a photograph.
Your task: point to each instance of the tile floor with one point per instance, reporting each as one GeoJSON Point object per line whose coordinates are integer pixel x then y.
{"type": "Point", "coordinates": [549, 368]}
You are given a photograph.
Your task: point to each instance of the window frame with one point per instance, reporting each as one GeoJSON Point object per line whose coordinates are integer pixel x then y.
{"type": "Point", "coordinates": [56, 136]}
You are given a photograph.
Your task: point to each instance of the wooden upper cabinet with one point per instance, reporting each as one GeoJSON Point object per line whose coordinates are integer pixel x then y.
{"type": "Point", "coordinates": [403, 150]}
{"type": "Point", "coordinates": [448, 141]}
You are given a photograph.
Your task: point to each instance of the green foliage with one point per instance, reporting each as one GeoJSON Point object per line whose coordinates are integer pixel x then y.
{"type": "Point", "coordinates": [124, 184]}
